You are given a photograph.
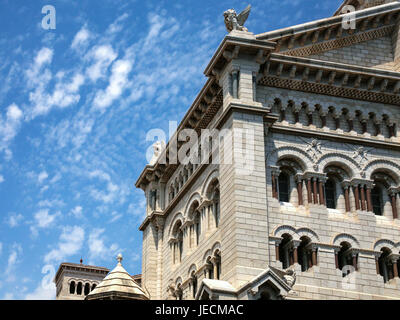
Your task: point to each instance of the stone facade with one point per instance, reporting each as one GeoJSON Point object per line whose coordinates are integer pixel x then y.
{"type": "Point", "coordinates": [309, 209]}
{"type": "Point", "coordinates": [75, 281]}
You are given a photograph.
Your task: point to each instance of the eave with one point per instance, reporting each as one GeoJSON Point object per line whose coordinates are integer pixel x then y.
{"type": "Point", "coordinates": [335, 21]}
{"type": "Point", "coordinates": [331, 78]}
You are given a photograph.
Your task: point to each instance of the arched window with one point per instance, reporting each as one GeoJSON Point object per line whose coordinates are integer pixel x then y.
{"type": "Point", "coordinates": [193, 279]}
{"type": "Point", "coordinates": [330, 193]}
{"type": "Point", "coordinates": [177, 243]}
{"type": "Point", "coordinates": [283, 183]}
{"type": "Point", "coordinates": [87, 289]}
{"type": "Point", "coordinates": [213, 210]}
{"type": "Point", "coordinates": [286, 251]}
{"type": "Point", "coordinates": [79, 289]}
{"type": "Point", "coordinates": [179, 293]}
{"type": "Point", "coordinates": [217, 258]}
{"type": "Point", "coordinates": [376, 198]}
{"type": "Point", "coordinates": [386, 265]}
{"type": "Point", "coordinates": [345, 258]}
{"type": "Point", "coordinates": [72, 287]}
{"type": "Point", "coordinates": [216, 207]}
{"type": "Point", "coordinates": [197, 226]}
{"type": "Point", "coordinates": [208, 271]}
{"type": "Point", "coordinates": [93, 286]}
{"type": "Point", "coordinates": [180, 245]}
{"type": "Point", "coordinates": [305, 254]}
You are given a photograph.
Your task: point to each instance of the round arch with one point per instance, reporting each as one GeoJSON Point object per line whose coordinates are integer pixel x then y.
{"type": "Point", "coordinates": [301, 232]}
{"type": "Point", "coordinates": [386, 166]}
{"type": "Point", "coordinates": [193, 198]}
{"type": "Point", "coordinates": [348, 164]}
{"type": "Point", "coordinates": [297, 154]}
{"type": "Point", "coordinates": [210, 178]}
{"type": "Point", "coordinates": [281, 230]}
{"type": "Point", "coordinates": [382, 243]}
{"type": "Point", "coordinates": [338, 239]}
{"type": "Point", "coordinates": [178, 217]}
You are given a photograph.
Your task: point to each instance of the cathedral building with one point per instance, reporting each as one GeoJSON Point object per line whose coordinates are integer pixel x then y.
{"type": "Point", "coordinates": [308, 206]}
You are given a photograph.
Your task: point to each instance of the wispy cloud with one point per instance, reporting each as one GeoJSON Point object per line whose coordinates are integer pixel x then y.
{"type": "Point", "coordinates": [70, 242]}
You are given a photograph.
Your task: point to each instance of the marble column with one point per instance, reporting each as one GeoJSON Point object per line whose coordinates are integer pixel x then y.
{"type": "Point", "coordinates": [357, 197]}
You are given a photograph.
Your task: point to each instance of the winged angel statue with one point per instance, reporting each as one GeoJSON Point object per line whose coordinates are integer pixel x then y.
{"type": "Point", "coordinates": [235, 21]}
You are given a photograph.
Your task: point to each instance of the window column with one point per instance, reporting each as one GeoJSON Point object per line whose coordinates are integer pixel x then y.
{"type": "Point", "coordinates": [277, 243]}
{"type": "Point", "coordinates": [299, 179]}
{"type": "Point", "coordinates": [369, 199]}
{"type": "Point", "coordinates": [362, 191]}
{"type": "Point", "coordinates": [394, 258]}
{"type": "Point", "coordinates": [309, 190]}
{"type": "Point", "coordinates": [296, 244]}
{"type": "Point", "coordinates": [275, 172]}
{"type": "Point", "coordinates": [356, 196]}
{"type": "Point", "coordinates": [315, 191]}
{"type": "Point", "coordinates": [322, 181]}
{"type": "Point", "coordinates": [346, 187]}
{"type": "Point", "coordinates": [393, 198]}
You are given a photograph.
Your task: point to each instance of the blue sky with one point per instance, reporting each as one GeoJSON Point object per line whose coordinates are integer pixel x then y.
{"type": "Point", "coordinates": [75, 106]}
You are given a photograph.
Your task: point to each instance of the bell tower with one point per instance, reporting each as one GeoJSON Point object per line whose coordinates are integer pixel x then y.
{"type": "Point", "coordinates": [75, 281]}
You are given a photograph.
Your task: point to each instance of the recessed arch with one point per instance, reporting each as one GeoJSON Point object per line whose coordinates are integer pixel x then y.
{"type": "Point", "coordinates": [178, 217]}
{"type": "Point", "coordinates": [215, 247]}
{"type": "Point", "coordinates": [384, 243]}
{"type": "Point", "coordinates": [345, 237]}
{"type": "Point", "coordinates": [192, 268]}
{"type": "Point", "coordinates": [210, 179]}
{"type": "Point", "coordinates": [295, 153]}
{"type": "Point", "coordinates": [389, 167]}
{"type": "Point", "coordinates": [301, 232]}
{"type": "Point", "coordinates": [193, 198]}
{"type": "Point", "coordinates": [207, 255]}
{"type": "Point", "coordinates": [281, 230]}
{"type": "Point", "coordinates": [346, 163]}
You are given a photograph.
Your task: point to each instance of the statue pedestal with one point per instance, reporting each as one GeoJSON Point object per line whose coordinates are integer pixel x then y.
{"type": "Point", "coordinates": [242, 34]}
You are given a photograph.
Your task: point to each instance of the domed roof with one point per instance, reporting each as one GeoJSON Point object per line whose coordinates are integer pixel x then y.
{"type": "Point", "coordinates": [118, 284]}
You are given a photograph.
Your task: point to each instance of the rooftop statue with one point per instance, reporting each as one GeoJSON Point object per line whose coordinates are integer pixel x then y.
{"type": "Point", "coordinates": [234, 21]}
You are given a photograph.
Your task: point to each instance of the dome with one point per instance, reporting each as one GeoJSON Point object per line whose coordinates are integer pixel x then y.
{"type": "Point", "coordinates": [118, 285]}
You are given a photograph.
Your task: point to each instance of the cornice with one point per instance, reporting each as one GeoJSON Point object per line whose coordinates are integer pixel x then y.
{"type": "Point", "coordinates": [231, 44]}
{"type": "Point", "coordinates": [335, 137]}
{"type": "Point", "coordinates": [331, 78]}
{"type": "Point", "coordinates": [330, 22]}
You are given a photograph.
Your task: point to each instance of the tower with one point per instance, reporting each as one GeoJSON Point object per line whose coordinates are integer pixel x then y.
{"type": "Point", "coordinates": [75, 281]}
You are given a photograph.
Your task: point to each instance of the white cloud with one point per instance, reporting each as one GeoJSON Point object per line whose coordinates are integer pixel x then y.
{"type": "Point", "coordinates": [81, 38]}
{"type": "Point", "coordinates": [14, 219]}
{"type": "Point", "coordinates": [42, 293]}
{"type": "Point", "coordinates": [34, 74]}
{"type": "Point", "coordinates": [77, 212]}
{"type": "Point", "coordinates": [97, 247]}
{"type": "Point", "coordinates": [1, 178]}
{"type": "Point", "coordinates": [70, 242]}
{"type": "Point", "coordinates": [102, 56]}
{"type": "Point", "coordinates": [13, 260]}
{"type": "Point", "coordinates": [42, 176]}
{"type": "Point", "coordinates": [14, 113]}
{"type": "Point", "coordinates": [46, 290]}
{"type": "Point", "coordinates": [9, 126]}
{"type": "Point", "coordinates": [43, 220]}
{"type": "Point", "coordinates": [51, 203]}
{"type": "Point", "coordinates": [117, 83]}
